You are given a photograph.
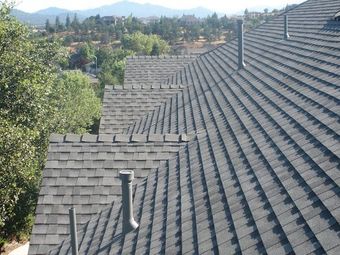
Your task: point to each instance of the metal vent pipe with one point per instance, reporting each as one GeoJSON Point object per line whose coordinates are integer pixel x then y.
{"type": "Point", "coordinates": [129, 222]}
{"type": "Point", "coordinates": [286, 34]}
{"type": "Point", "coordinates": [241, 63]}
{"type": "Point", "coordinates": [73, 230]}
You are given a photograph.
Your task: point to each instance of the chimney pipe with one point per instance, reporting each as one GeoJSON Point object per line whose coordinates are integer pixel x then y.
{"type": "Point", "coordinates": [241, 63]}
{"type": "Point", "coordinates": [129, 222]}
{"type": "Point", "coordinates": [73, 230]}
{"type": "Point", "coordinates": [286, 34]}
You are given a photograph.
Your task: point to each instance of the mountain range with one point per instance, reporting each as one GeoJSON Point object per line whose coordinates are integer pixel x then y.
{"type": "Point", "coordinates": [123, 8]}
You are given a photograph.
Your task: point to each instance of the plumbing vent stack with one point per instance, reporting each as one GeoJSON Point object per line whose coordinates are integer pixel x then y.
{"type": "Point", "coordinates": [129, 222]}
{"type": "Point", "coordinates": [241, 63]}
{"type": "Point", "coordinates": [286, 34]}
{"type": "Point", "coordinates": [73, 230]}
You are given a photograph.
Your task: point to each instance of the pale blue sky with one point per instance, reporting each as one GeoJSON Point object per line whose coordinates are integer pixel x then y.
{"type": "Point", "coordinates": [221, 6]}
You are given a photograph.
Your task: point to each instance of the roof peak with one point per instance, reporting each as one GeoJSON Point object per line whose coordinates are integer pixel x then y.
{"type": "Point", "coordinates": [144, 87]}
{"type": "Point", "coordinates": [122, 138]}
{"type": "Point", "coordinates": [162, 57]}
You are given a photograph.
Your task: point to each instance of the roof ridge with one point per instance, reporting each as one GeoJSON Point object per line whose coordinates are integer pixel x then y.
{"type": "Point", "coordinates": [145, 87]}
{"type": "Point", "coordinates": [163, 56]}
{"type": "Point", "coordinates": [122, 138]}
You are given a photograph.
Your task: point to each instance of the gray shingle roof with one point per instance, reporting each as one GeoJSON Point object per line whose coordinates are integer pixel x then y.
{"type": "Point", "coordinates": [122, 107]}
{"type": "Point", "coordinates": [237, 204]}
{"type": "Point", "coordinates": [263, 177]}
{"type": "Point", "coordinates": [83, 171]}
{"type": "Point", "coordinates": [152, 70]}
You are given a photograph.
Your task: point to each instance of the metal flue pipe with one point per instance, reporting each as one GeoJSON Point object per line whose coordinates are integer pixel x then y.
{"type": "Point", "coordinates": [73, 231]}
{"type": "Point", "coordinates": [241, 63]}
{"type": "Point", "coordinates": [286, 33]}
{"type": "Point", "coordinates": [129, 222]}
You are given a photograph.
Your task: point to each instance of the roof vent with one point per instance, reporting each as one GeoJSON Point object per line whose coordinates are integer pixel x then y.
{"type": "Point", "coordinates": [241, 63]}
{"type": "Point", "coordinates": [129, 222]}
{"type": "Point", "coordinates": [286, 34]}
{"type": "Point", "coordinates": [73, 230]}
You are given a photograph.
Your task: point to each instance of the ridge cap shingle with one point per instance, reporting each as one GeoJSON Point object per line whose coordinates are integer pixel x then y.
{"type": "Point", "coordinates": [143, 57]}
{"type": "Point", "coordinates": [119, 138]}
{"type": "Point", "coordinates": [144, 87]}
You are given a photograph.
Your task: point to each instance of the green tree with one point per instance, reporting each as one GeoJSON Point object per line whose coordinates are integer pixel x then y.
{"type": "Point", "coordinates": [142, 44]}
{"type": "Point", "coordinates": [113, 66]}
{"type": "Point", "coordinates": [84, 55]}
{"type": "Point", "coordinates": [112, 72]}
{"type": "Point", "coordinates": [57, 24]}
{"type": "Point", "coordinates": [77, 107]}
{"type": "Point", "coordinates": [104, 54]}
{"type": "Point", "coordinates": [87, 51]}
{"type": "Point", "coordinates": [155, 50]}
{"type": "Point", "coordinates": [68, 22]}
{"type": "Point", "coordinates": [19, 178]}
{"type": "Point", "coordinates": [68, 40]}
{"type": "Point", "coordinates": [75, 23]}
{"type": "Point", "coordinates": [27, 70]}
{"type": "Point", "coordinates": [246, 12]}
{"type": "Point", "coordinates": [194, 32]}
{"type": "Point", "coordinates": [47, 26]}
{"type": "Point", "coordinates": [212, 27]}
{"type": "Point", "coordinates": [33, 103]}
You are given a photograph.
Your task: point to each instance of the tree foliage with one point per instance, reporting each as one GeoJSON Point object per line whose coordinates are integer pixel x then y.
{"type": "Point", "coordinates": [143, 44]}
{"type": "Point", "coordinates": [78, 106]}
{"type": "Point", "coordinates": [111, 29]}
{"type": "Point", "coordinates": [87, 51]}
{"type": "Point", "coordinates": [19, 178]}
{"type": "Point", "coordinates": [34, 101]}
{"type": "Point", "coordinates": [112, 63]}
{"type": "Point", "coordinates": [84, 55]}
{"type": "Point", "coordinates": [26, 79]}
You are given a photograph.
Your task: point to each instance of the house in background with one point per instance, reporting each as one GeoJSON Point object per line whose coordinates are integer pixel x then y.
{"type": "Point", "coordinates": [235, 151]}
{"type": "Point", "coordinates": [108, 20]}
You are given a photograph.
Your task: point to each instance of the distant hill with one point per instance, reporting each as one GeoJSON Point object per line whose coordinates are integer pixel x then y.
{"type": "Point", "coordinates": [39, 19]}
{"type": "Point", "coordinates": [123, 8]}
{"type": "Point", "coordinates": [52, 11]}
{"type": "Point", "coordinates": [126, 8]}
{"type": "Point", "coordinates": [29, 18]}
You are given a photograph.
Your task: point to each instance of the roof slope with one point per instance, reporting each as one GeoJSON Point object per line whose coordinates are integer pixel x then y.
{"type": "Point", "coordinates": [147, 71]}
{"type": "Point", "coordinates": [122, 107]}
{"type": "Point", "coordinates": [83, 171]}
{"type": "Point", "coordinates": [264, 178]}
{"type": "Point", "coordinates": [222, 197]}
{"type": "Point", "coordinates": [304, 68]}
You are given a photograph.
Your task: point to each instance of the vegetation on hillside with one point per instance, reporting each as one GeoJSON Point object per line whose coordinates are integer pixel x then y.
{"type": "Point", "coordinates": [96, 28]}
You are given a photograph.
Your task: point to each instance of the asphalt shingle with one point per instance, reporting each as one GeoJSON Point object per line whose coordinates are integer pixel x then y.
{"type": "Point", "coordinates": [262, 173]}
{"type": "Point", "coordinates": [85, 174]}
{"type": "Point", "coordinates": [150, 71]}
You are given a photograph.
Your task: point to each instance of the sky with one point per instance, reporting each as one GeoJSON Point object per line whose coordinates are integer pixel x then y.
{"type": "Point", "coordinates": [221, 6]}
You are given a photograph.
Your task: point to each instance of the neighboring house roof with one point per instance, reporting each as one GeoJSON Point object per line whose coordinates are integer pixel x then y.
{"type": "Point", "coordinates": [147, 71]}
{"type": "Point", "coordinates": [122, 107]}
{"type": "Point", "coordinates": [83, 171]}
{"type": "Point", "coordinates": [262, 174]}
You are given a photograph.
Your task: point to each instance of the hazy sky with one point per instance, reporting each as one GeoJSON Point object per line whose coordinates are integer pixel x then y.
{"type": "Point", "coordinates": [225, 6]}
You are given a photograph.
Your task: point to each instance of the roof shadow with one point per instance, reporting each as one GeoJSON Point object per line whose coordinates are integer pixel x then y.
{"type": "Point", "coordinates": [331, 25]}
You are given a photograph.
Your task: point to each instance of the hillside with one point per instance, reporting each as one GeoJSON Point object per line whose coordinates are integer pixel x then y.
{"type": "Point", "coordinates": [39, 18]}
{"type": "Point", "coordinates": [123, 8]}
